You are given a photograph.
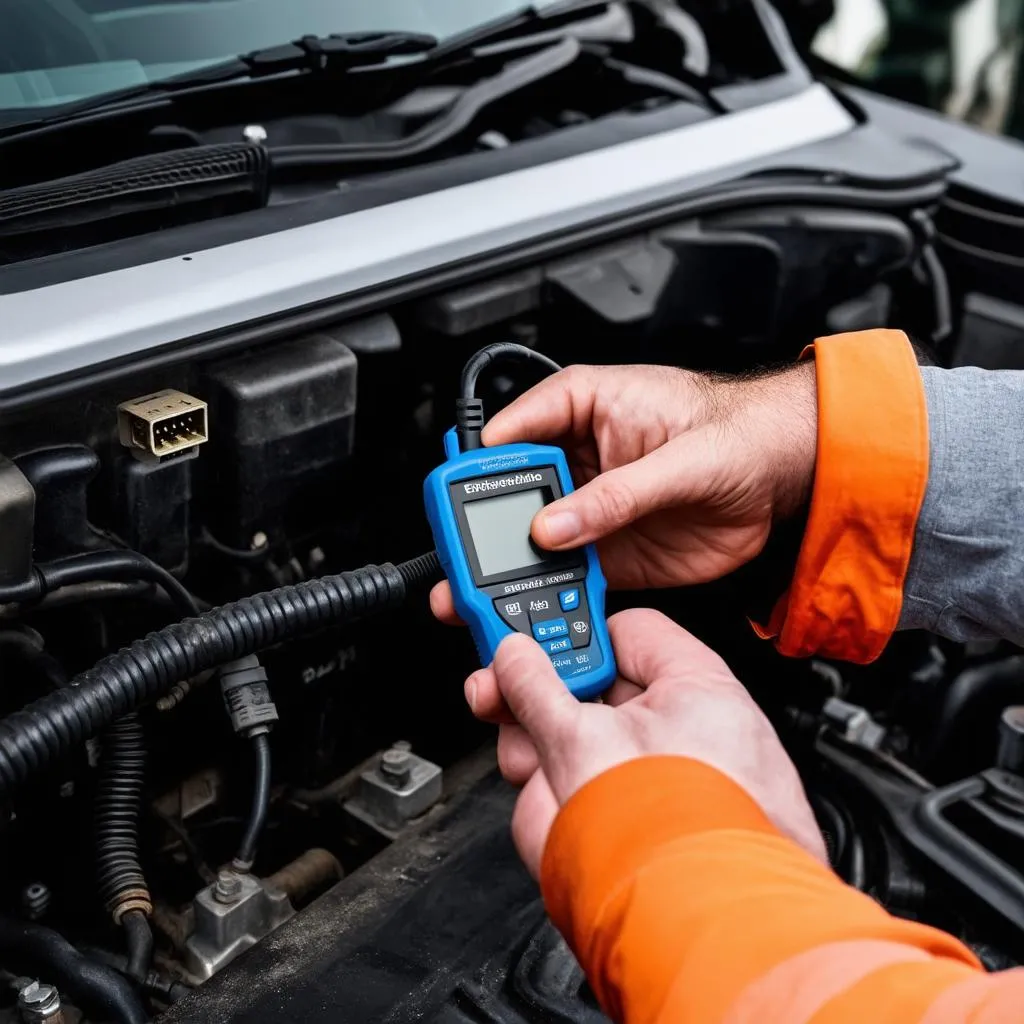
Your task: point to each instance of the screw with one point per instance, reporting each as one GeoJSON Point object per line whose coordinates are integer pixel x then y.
{"type": "Point", "coordinates": [254, 133]}
{"type": "Point", "coordinates": [39, 1003]}
{"type": "Point", "coordinates": [35, 900]}
{"type": "Point", "coordinates": [228, 887]}
{"type": "Point", "coordinates": [396, 766]}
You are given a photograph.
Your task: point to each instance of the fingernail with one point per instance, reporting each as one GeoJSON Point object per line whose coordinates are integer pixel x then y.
{"type": "Point", "coordinates": [562, 527]}
{"type": "Point", "coordinates": [471, 686]}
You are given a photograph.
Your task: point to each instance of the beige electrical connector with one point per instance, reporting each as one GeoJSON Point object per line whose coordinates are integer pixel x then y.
{"type": "Point", "coordinates": [163, 424]}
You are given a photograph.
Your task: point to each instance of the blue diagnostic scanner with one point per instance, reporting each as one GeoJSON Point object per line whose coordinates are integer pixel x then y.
{"type": "Point", "coordinates": [480, 505]}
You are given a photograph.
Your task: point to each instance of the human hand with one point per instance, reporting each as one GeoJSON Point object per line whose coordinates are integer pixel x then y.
{"type": "Point", "coordinates": [680, 475]}
{"type": "Point", "coordinates": [674, 696]}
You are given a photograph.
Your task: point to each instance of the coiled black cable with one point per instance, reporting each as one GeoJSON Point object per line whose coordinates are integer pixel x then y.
{"type": "Point", "coordinates": [122, 768]}
{"type": "Point", "coordinates": [260, 804]}
{"type": "Point", "coordinates": [122, 884]}
{"type": "Point", "coordinates": [54, 724]}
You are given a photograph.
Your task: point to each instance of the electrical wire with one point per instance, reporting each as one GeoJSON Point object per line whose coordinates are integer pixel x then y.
{"type": "Point", "coordinates": [260, 804]}
{"type": "Point", "coordinates": [469, 409]}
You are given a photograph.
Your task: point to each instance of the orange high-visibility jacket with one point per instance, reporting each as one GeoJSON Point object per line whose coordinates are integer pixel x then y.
{"type": "Point", "coordinates": [683, 903]}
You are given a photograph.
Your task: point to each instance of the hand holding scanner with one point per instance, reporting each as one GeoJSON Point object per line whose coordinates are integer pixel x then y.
{"type": "Point", "coordinates": [481, 504]}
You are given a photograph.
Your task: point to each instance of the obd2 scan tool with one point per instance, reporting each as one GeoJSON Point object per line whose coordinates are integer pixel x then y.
{"type": "Point", "coordinates": [481, 503]}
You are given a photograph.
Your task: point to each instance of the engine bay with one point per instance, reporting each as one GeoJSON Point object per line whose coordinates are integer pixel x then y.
{"type": "Point", "coordinates": [291, 461]}
{"type": "Point", "coordinates": [238, 777]}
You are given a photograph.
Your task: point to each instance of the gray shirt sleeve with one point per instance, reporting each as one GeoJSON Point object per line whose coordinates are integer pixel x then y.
{"type": "Point", "coordinates": [966, 575]}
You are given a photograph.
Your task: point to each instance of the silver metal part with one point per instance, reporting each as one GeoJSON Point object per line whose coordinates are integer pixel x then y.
{"type": "Point", "coordinates": [39, 1003]}
{"type": "Point", "coordinates": [254, 133]}
{"type": "Point", "coordinates": [231, 915]}
{"type": "Point", "coordinates": [35, 900]}
{"type": "Point", "coordinates": [853, 723]}
{"type": "Point", "coordinates": [400, 787]}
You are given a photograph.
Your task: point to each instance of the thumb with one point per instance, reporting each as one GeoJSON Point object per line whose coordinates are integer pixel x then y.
{"type": "Point", "coordinates": [536, 696]}
{"type": "Point", "coordinates": [617, 498]}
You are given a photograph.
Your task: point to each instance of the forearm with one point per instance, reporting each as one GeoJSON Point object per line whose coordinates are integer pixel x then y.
{"type": "Point", "coordinates": [917, 514]}
{"type": "Point", "coordinates": [966, 575]}
{"type": "Point", "coordinates": [684, 904]}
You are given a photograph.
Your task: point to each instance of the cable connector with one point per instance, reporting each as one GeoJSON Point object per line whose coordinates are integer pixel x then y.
{"type": "Point", "coordinates": [246, 693]}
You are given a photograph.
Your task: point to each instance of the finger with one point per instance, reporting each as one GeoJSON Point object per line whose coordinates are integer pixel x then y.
{"type": "Point", "coordinates": [622, 691]}
{"type": "Point", "coordinates": [485, 699]}
{"type": "Point", "coordinates": [442, 606]}
{"type": "Point", "coordinates": [517, 756]}
{"type": "Point", "coordinates": [532, 819]}
{"type": "Point", "coordinates": [558, 405]}
{"type": "Point", "coordinates": [673, 474]}
{"type": "Point", "coordinates": [533, 691]}
{"type": "Point", "coordinates": [650, 646]}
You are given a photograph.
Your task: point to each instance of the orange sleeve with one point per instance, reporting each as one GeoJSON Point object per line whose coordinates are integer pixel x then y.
{"type": "Point", "coordinates": [683, 903]}
{"type": "Point", "coordinates": [870, 478]}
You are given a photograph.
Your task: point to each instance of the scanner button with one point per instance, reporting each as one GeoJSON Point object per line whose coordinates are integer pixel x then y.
{"type": "Point", "coordinates": [563, 663]}
{"type": "Point", "coordinates": [549, 629]}
{"type": "Point", "coordinates": [557, 646]}
{"type": "Point", "coordinates": [513, 611]}
{"type": "Point", "coordinates": [579, 630]}
{"type": "Point", "coordinates": [569, 600]}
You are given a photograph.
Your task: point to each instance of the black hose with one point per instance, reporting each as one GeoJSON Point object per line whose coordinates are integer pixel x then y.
{"type": "Point", "coordinates": [139, 939]}
{"type": "Point", "coordinates": [260, 804]}
{"type": "Point", "coordinates": [54, 724]}
{"type": "Point", "coordinates": [100, 991]}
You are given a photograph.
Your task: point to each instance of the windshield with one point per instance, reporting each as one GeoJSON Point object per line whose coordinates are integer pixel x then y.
{"type": "Point", "coordinates": [62, 51]}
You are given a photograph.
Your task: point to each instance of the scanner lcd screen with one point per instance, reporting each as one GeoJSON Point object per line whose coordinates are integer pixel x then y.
{"type": "Point", "coordinates": [500, 531]}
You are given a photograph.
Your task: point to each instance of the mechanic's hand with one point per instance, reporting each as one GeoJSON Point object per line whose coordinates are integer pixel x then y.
{"type": "Point", "coordinates": [674, 696]}
{"type": "Point", "coordinates": [680, 475]}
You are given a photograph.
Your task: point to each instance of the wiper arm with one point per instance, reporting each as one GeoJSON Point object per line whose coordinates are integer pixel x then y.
{"type": "Point", "coordinates": [527, 21]}
{"type": "Point", "coordinates": [334, 53]}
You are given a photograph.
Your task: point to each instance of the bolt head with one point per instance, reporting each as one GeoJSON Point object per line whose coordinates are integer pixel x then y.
{"type": "Point", "coordinates": [228, 887]}
{"type": "Point", "coordinates": [43, 1000]}
{"type": "Point", "coordinates": [396, 765]}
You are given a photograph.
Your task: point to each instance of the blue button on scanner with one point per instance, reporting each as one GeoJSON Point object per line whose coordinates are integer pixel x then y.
{"type": "Point", "coordinates": [569, 600]}
{"type": "Point", "coordinates": [550, 629]}
{"type": "Point", "coordinates": [554, 646]}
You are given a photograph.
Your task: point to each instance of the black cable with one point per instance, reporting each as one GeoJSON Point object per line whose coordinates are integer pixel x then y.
{"type": "Point", "coordinates": [260, 804]}
{"type": "Point", "coordinates": [114, 566]}
{"type": "Point", "coordinates": [108, 566]}
{"type": "Point", "coordinates": [469, 410]}
{"type": "Point", "coordinates": [100, 991]}
{"type": "Point", "coordinates": [51, 726]}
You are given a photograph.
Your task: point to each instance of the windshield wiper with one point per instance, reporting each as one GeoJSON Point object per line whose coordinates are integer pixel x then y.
{"type": "Point", "coordinates": [334, 53]}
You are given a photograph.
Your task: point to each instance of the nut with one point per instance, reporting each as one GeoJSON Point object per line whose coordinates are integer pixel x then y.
{"type": "Point", "coordinates": [396, 765]}
{"type": "Point", "coordinates": [228, 887]}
